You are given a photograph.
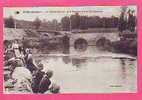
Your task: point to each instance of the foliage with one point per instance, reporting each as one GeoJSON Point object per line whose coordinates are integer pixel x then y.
{"type": "Point", "coordinates": [9, 22]}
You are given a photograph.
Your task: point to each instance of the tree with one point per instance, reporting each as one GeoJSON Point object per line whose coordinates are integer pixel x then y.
{"type": "Point", "coordinates": [114, 21]}
{"type": "Point", "coordinates": [65, 23]}
{"type": "Point", "coordinates": [122, 21]}
{"type": "Point", "coordinates": [131, 20]}
{"type": "Point", "coordinates": [55, 24]}
{"type": "Point", "coordinates": [37, 23]}
{"type": "Point", "coordinates": [75, 21]}
{"type": "Point", "coordinates": [83, 22]}
{"type": "Point", "coordinates": [9, 22]}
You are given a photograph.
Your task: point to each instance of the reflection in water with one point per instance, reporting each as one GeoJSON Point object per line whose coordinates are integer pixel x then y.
{"type": "Point", "coordinates": [66, 59]}
{"type": "Point", "coordinates": [66, 50]}
{"type": "Point", "coordinates": [78, 62]}
{"type": "Point", "coordinates": [91, 71]}
{"type": "Point", "coordinates": [123, 68]}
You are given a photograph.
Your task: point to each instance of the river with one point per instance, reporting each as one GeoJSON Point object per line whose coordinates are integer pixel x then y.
{"type": "Point", "coordinates": [90, 70]}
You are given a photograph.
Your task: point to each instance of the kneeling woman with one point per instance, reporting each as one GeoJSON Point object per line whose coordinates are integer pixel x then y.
{"type": "Point", "coordinates": [45, 82]}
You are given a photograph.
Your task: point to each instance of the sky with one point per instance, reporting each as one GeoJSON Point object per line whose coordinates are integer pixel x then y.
{"type": "Point", "coordinates": [50, 13]}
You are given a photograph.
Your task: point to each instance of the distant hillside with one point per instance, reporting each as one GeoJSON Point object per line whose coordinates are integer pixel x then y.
{"type": "Point", "coordinates": [12, 33]}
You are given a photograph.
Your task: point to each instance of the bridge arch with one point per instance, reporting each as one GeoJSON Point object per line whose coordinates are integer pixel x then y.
{"type": "Point", "coordinates": [103, 43]}
{"type": "Point", "coordinates": [80, 44]}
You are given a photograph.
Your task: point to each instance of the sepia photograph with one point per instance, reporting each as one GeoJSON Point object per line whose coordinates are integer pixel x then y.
{"type": "Point", "coordinates": [77, 49]}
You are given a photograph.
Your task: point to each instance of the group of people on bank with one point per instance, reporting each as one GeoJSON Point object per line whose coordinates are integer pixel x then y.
{"type": "Point", "coordinates": [26, 76]}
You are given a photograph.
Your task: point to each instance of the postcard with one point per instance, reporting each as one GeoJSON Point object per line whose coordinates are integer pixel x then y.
{"type": "Point", "coordinates": [79, 49]}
